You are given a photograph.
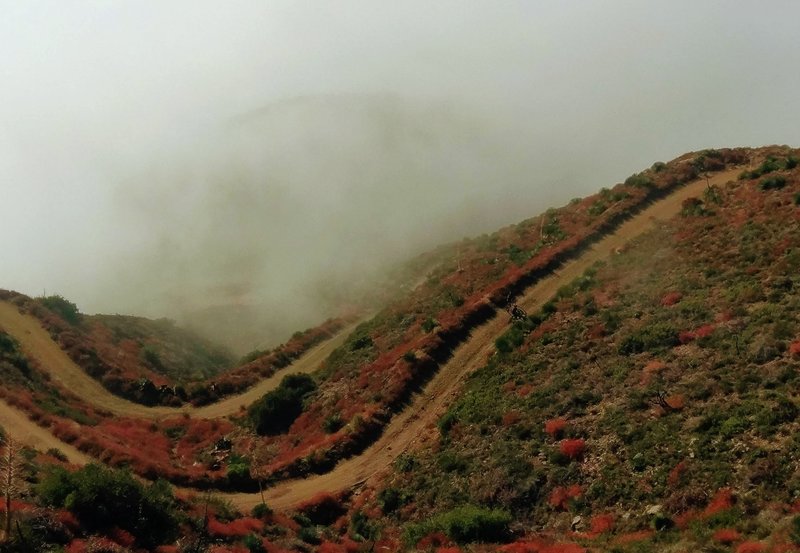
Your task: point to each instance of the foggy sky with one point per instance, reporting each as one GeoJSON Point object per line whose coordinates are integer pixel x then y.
{"type": "Point", "coordinates": [162, 157]}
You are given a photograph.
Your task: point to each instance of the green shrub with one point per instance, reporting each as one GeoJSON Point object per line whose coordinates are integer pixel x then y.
{"type": "Point", "coordinates": [238, 469]}
{"type": "Point", "coordinates": [261, 510]}
{"type": "Point", "coordinates": [309, 534]}
{"type": "Point", "coordinates": [254, 544]}
{"type": "Point", "coordinates": [768, 166]}
{"type": "Point", "coordinates": [103, 498]}
{"type": "Point", "coordinates": [795, 530]}
{"type": "Point", "coordinates": [62, 307]}
{"type": "Point", "coordinates": [639, 180]}
{"type": "Point", "coordinates": [429, 324]}
{"type": "Point", "coordinates": [275, 412]}
{"type": "Point", "coordinates": [405, 462]}
{"type": "Point", "coordinates": [391, 499]}
{"type": "Point", "coordinates": [652, 337]}
{"type": "Point", "coordinates": [772, 183]}
{"type": "Point", "coordinates": [332, 423]}
{"type": "Point", "coordinates": [465, 524]}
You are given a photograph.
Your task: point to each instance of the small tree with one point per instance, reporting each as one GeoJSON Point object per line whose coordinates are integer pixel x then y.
{"type": "Point", "coordinates": [11, 467]}
{"type": "Point", "coordinates": [258, 470]}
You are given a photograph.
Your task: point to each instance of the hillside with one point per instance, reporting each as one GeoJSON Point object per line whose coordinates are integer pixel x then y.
{"type": "Point", "coordinates": [647, 402]}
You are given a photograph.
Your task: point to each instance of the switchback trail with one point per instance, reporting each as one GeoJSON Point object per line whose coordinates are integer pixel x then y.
{"type": "Point", "coordinates": [407, 427]}
{"type": "Point", "coordinates": [37, 344]}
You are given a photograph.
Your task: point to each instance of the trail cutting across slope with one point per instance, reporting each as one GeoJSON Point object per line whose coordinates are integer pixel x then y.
{"type": "Point", "coordinates": [406, 428]}
{"type": "Point", "coordinates": [37, 344]}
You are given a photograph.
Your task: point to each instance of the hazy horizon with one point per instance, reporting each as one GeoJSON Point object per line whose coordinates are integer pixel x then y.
{"type": "Point", "coordinates": [165, 158]}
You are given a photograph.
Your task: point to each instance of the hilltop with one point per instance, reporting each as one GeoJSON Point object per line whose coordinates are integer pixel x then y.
{"type": "Point", "coordinates": [646, 401]}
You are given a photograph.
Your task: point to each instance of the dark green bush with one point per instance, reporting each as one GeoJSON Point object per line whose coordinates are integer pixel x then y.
{"type": "Point", "coordinates": [332, 423]}
{"type": "Point", "coordinates": [261, 510]}
{"type": "Point", "coordinates": [103, 498]}
{"type": "Point", "coordinates": [253, 543]}
{"type": "Point", "coordinates": [429, 324]}
{"type": "Point", "coordinates": [391, 499]}
{"type": "Point", "coordinates": [639, 180]}
{"type": "Point", "coordinates": [62, 307]}
{"type": "Point", "coordinates": [772, 183]}
{"type": "Point", "coordinates": [275, 412]}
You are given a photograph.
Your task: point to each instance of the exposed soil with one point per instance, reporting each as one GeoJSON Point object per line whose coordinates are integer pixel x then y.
{"type": "Point", "coordinates": [404, 430]}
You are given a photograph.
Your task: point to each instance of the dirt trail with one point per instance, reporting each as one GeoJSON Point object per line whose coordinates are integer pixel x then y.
{"type": "Point", "coordinates": [37, 344]}
{"type": "Point", "coordinates": [406, 428]}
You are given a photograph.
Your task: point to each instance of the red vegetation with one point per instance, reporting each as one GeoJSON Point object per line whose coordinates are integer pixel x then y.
{"type": "Point", "coordinates": [560, 496]}
{"type": "Point", "coordinates": [751, 547]}
{"type": "Point", "coordinates": [794, 348]}
{"type": "Point", "coordinates": [676, 402]}
{"type": "Point", "coordinates": [511, 418]}
{"type": "Point", "coordinates": [676, 474]}
{"type": "Point", "coordinates": [323, 508]}
{"type": "Point", "coordinates": [722, 501]}
{"type": "Point", "coordinates": [555, 427]}
{"type": "Point", "coordinates": [727, 536]}
{"type": "Point", "coordinates": [705, 331]}
{"type": "Point", "coordinates": [572, 448]}
{"type": "Point", "coordinates": [540, 546]}
{"type": "Point", "coordinates": [600, 524]}
{"type": "Point", "coordinates": [671, 299]}
{"type": "Point", "coordinates": [524, 390]}
{"type": "Point", "coordinates": [436, 539]}
{"type": "Point", "coordinates": [239, 527]}
{"type": "Point", "coordinates": [651, 369]}
{"type": "Point", "coordinates": [683, 520]}
{"type": "Point", "coordinates": [347, 546]}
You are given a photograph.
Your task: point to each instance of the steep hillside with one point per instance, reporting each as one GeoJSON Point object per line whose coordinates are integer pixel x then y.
{"type": "Point", "coordinates": [647, 402]}
{"type": "Point", "coordinates": [652, 405]}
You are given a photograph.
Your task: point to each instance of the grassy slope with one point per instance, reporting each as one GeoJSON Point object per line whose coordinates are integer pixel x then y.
{"type": "Point", "coordinates": [701, 312]}
{"type": "Point", "coordinates": [177, 353]}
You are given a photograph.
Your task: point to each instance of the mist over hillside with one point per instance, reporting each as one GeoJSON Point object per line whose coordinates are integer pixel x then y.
{"type": "Point", "coordinates": [297, 209]}
{"type": "Point", "coordinates": [263, 162]}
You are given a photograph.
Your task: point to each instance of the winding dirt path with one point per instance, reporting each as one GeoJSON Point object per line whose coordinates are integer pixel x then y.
{"type": "Point", "coordinates": [37, 344]}
{"type": "Point", "coordinates": [407, 428]}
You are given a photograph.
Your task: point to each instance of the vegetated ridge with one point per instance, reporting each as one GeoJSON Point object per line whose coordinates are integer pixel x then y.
{"type": "Point", "coordinates": [566, 438]}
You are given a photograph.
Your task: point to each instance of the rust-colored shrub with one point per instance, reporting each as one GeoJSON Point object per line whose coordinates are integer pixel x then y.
{"type": "Point", "coordinates": [555, 427]}
{"type": "Point", "coordinates": [751, 547]}
{"type": "Point", "coordinates": [671, 299]}
{"type": "Point", "coordinates": [675, 475]}
{"type": "Point", "coordinates": [511, 418]}
{"type": "Point", "coordinates": [726, 536]}
{"type": "Point", "coordinates": [239, 527]}
{"type": "Point", "coordinates": [600, 524]}
{"type": "Point", "coordinates": [722, 501]}
{"type": "Point", "coordinates": [572, 448]}
{"type": "Point", "coordinates": [560, 496]}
